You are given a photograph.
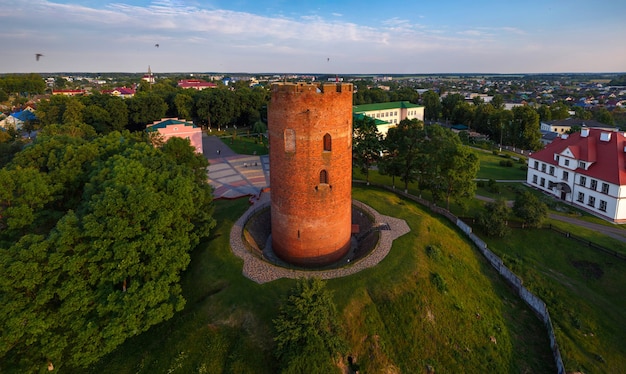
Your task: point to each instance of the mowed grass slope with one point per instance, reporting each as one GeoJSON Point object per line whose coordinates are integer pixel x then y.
{"type": "Point", "coordinates": [446, 309]}
{"type": "Point", "coordinates": [583, 289]}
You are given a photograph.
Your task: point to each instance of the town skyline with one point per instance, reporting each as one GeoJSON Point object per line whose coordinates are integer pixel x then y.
{"type": "Point", "coordinates": [344, 37]}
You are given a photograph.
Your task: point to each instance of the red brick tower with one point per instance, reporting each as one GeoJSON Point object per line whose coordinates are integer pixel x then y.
{"type": "Point", "coordinates": [310, 135]}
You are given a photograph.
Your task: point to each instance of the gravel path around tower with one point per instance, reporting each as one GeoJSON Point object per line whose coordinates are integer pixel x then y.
{"type": "Point", "coordinates": [261, 271]}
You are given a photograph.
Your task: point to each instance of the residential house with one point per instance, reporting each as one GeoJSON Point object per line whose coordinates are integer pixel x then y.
{"type": "Point", "coordinates": [18, 119]}
{"type": "Point", "coordinates": [390, 113]}
{"type": "Point", "coordinates": [562, 126]}
{"type": "Point", "coordinates": [586, 169]}
{"type": "Point", "coordinates": [171, 127]}
{"type": "Point", "coordinates": [122, 92]}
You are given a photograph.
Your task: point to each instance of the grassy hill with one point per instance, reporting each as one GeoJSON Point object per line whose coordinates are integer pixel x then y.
{"type": "Point", "coordinates": [433, 302]}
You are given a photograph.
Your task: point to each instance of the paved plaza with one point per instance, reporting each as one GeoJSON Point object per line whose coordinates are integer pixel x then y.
{"type": "Point", "coordinates": [233, 175]}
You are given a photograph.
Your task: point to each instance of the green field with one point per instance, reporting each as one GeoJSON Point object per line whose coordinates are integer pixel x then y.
{"type": "Point", "coordinates": [446, 308]}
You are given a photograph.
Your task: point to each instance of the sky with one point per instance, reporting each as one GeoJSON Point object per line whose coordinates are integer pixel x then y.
{"type": "Point", "coordinates": [307, 36]}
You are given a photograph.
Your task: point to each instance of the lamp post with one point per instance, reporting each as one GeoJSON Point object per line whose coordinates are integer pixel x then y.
{"type": "Point", "coordinates": [501, 131]}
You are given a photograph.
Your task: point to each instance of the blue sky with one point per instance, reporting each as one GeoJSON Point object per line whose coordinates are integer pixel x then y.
{"type": "Point", "coordinates": [306, 36]}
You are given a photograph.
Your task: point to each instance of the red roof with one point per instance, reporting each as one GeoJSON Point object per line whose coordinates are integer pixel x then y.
{"type": "Point", "coordinates": [195, 83]}
{"type": "Point", "coordinates": [608, 157]}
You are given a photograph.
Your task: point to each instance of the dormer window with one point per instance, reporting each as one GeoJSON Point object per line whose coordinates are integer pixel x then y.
{"type": "Point", "coordinates": [582, 164]}
{"type": "Point", "coordinates": [566, 162]}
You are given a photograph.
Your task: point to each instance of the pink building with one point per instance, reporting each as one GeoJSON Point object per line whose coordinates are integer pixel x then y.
{"type": "Point", "coordinates": [169, 127]}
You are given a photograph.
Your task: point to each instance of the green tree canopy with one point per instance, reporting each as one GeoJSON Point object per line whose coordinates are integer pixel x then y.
{"type": "Point", "coordinates": [493, 221]}
{"type": "Point", "coordinates": [404, 145]}
{"type": "Point", "coordinates": [530, 209]}
{"type": "Point", "coordinates": [432, 106]}
{"type": "Point", "coordinates": [95, 234]}
{"type": "Point", "coordinates": [452, 167]}
{"type": "Point", "coordinates": [307, 329]}
{"type": "Point", "coordinates": [366, 144]}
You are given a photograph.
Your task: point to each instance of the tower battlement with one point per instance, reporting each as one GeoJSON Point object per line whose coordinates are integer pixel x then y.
{"type": "Point", "coordinates": [288, 87]}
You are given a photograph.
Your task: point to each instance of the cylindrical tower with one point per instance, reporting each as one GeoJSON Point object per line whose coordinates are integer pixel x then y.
{"type": "Point", "coordinates": [310, 136]}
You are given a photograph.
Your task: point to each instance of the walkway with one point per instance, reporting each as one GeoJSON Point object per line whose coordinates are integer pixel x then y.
{"type": "Point", "coordinates": [233, 175]}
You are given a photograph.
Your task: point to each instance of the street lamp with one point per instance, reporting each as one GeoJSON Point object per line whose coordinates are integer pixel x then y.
{"type": "Point", "coordinates": [501, 131]}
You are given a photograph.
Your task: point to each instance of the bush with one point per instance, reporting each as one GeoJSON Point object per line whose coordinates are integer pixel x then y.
{"type": "Point", "coordinates": [439, 282]}
{"type": "Point", "coordinates": [433, 252]}
{"type": "Point", "coordinates": [506, 163]}
{"type": "Point", "coordinates": [524, 167]}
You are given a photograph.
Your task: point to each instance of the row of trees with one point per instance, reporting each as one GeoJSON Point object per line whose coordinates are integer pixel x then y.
{"type": "Point", "coordinates": [527, 207]}
{"type": "Point", "coordinates": [432, 156]}
{"type": "Point", "coordinates": [215, 108]}
{"type": "Point", "coordinates": [21, 85]}
{"type": "Point", "coordinates": [95, 231]}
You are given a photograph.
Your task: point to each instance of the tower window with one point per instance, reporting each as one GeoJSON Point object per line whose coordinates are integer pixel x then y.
{"type": "Point", "coordinates": [327, 142]}
{"type": "Point", "coordinates": [290, 140]}
{"type": "Point", "coordinates": [323, 177]}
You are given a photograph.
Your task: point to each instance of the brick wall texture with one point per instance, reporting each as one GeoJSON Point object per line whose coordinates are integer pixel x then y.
{"type": "Point", "coordinates": [310, 137]}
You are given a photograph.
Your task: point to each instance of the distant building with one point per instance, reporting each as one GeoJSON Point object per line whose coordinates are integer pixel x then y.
{"type": "Point", "coordinates": [196, 84]}
{"type": "Point", "coordinates": [149, 77]}
{"type": "Point", "coordinates": [122, 92]}
{"type": "Point", "coordinates": [562, 126]}
{"type": "Point", "coordinates": [173, 127]}
{"type": "Point", "coordinates": [390, 113]}
{"type": "Point", "coordinates": [586, 169]}
{"type": "Point", "coordinates": [68, 92]}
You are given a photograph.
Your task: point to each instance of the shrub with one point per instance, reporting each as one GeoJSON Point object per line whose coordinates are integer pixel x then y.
{"type": "Point", "coordinates": [506, 163]}
{"type": "Point", "coordinates": [439, 282]}
{"type": "Point", "coordinates": [433, 252]}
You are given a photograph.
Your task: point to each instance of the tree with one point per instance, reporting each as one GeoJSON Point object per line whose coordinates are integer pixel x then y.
{"type": "Point", "coordinates": [366, 144]}
{"type": "Point", "coordinates": [118, 113]}
{"type": "Point", "coordinates": [604, 116]}
{"type": "Point", "coordinates": [530, 209]}
{"type": "Point", "coordinates": [493, 220]}
{"type": "Point", "coordinates": [145, 108]}
{"type": "Point", "coordinates": [73, 113]}
{"type": "Point", "coordinates": [559, 110]}
{"type": "Point", "coordinates": [497, 101]}
{"type": "Point", "coordinates": [82, 275]}
{"type": "Point", "coordinates": [525, 132]}
{"type": "Point", "coordinates": [404, 143]}
{"type": "Point", "coordinates": [452, 167]}
{"type": "Point", "coordinates": [184, 105]}
{"type": "Point", "coordinates": [308, 334]}
{"type": "Point", "coordinates": [449, 105]}
{"type": "Point", "coordinates": [432, 106]}
{"type": "Point", "coordinates": [98, 118]}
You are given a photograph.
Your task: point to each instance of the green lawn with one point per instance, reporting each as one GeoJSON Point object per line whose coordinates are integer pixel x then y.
{"type": "Point", "coordinates": [247, 145]}
{"type": "Point", "coordinates": [445, 308]}
{"type": "Point", "coordinates": [583, 289]}
{"type": "Point", "coordinates": [490, 168]}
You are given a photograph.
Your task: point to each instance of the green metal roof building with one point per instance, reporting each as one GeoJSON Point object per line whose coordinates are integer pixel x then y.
{"type": "Point", "coordinates": [390, 113]}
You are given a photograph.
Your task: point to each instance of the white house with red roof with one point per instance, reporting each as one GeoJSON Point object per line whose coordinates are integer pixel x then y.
{"type": "Point", "coordinates": [586, 169]}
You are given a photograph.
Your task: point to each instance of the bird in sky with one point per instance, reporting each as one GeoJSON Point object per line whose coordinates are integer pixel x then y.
{"type": "Point", "coordinates": [37, 55]}
{"type": "Point", "coordinates": [156, 45]}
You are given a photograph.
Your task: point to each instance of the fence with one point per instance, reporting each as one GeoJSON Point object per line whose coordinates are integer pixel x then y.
{"type": "Point", "coordinates": [591, 244]}
{"type": "Point", "coordinates": [534, 302]}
